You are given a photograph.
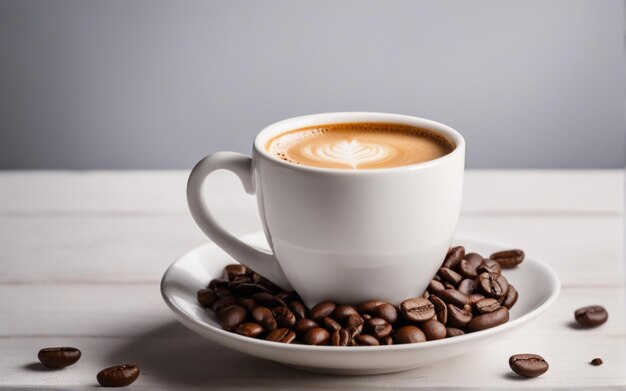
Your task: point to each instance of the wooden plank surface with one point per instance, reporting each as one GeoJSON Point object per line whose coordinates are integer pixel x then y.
{"type": "Point", "coordinates": [82, 253]}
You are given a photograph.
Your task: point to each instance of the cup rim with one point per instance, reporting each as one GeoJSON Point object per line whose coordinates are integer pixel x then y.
{"type": "Point", "coordinates": [286, 125]}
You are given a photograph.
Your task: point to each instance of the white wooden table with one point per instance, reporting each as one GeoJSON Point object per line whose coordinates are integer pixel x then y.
{"type": "Point", "coordinates": [82, 253]}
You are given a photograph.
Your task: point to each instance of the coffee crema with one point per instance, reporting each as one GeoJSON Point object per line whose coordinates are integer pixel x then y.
{"type": "Point", "coordinates": [359, 145]}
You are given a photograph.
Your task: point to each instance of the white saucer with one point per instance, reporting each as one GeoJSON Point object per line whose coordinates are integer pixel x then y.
{"type": "Point", "coordinates": [537, 284]}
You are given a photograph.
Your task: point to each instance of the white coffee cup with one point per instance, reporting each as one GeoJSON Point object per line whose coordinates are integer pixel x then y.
{"type": "Point", "coordinates": [341, 234]}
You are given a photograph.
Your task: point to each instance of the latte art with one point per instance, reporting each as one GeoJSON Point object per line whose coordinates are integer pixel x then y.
{"type": "Point", "coordinates": [351, 153]}
{"type": "Point", "coordinates": [359, 146]}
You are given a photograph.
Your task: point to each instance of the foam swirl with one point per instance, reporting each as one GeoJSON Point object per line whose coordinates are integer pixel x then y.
{"type": "Point", "coordinates": [351, 153]}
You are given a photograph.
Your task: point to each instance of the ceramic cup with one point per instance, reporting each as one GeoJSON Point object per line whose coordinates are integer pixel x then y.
{"type": "Point", "coordinates": [341, 234]}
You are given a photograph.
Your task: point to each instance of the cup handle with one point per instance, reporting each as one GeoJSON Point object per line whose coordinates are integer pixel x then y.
{"type": "Point", "coordinates": [260, 261]}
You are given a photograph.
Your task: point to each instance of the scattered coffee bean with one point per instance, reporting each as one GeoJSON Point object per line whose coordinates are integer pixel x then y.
{"type": "Point", "coordinates": [223, 303]}
{"type": "Point", "coordinates": [453, 332]}
{"type": "Point", "coordinates": [450, 276]}
{"type": "Point", "coordinates": [409, 334]}
{"type": "Point", "coordinates": [528, 365]}
{"type": "Point", "coordinates": [511, 297]}
{"type": "Point", "coordinates": [267, 300]}
{"type": "Point", "coordinates": [467, 286]}
{"type": "Point", "coordinates": [231, 317]}
{"type": "Point", "coordinates": [218, 283]}
{"type": "Point", "coordinates": [474, 298]}
{"type": "Point", "coordinates": [234, 270]}
{"type": "Point", "coordinates": [341, 337]}
{"type": "Point", "coordinates": [433, 329]}
{"type": "Point", "coordinates": [435, 286]}
{"type": "Point", "coordinates": [369, 306]}
{"type": "Point", "coordinates": [458, 317]}
{"type": "Point", "coordinates": [441, 310]}
{"type": "Point", "coordinates": [249, 329]}
{"type": "Point", "coordinates": [386, 311]}
{"type": "Point", "coordinates": [59, 357]}
{"type": "Point", "coordinates": [354, 321]}
{"type": "Point", "coordinates": [489, 320]}
{"type": "Point", "coordinates": [248, 289]}
{"type": "Point", "coordinates": [298, 309]}
{"type": "Point", "coordinates": [223, 292]}
{"type": "Point", "coordinates": [596, 362]}
{"type": "Point", "coordinates": [330, 324]}
{"type": "Point", "coordinates": [238, 280]}
{"type": "Point", "coordinates": [425, 295]}
{"type": "Point", "coordinates": [304, 325]}
{"type": "Point", "coordinates": [489, 266]}
{"type": "Point", "coordinates": [341, 312]}
{"type": "Point", "coordinates": [493, 285]}
{"type": "Point", "coordinates": [467, 269]}
{"type": "Point", "coordinates": [378, 327]}
{"type": "Point", "coordinates": [265, 318]}
{"type": "Point", "coordinates": [247, 303]}
{"type": "Point", "coordinates": [487, 305]}
{"type": "Point", "coordinates": [417, 309]}
{"type": "Point", "coordinates": [388, 340]}
{"type": "Point", "coordinates": [317, 336]}
{"type": "Point", "coordinates": [282, 335]}
{"type": "Point", "coordinates": [453, 257]}
{"type": "Point", "coordinates": [206, 297]}
{"type": "Point", "coordinates": [284, 317]}
{"type": "Point", "coordinates": [366, 340]}
{"type": "Point", "coordinates": [591, 316]}
{"type": "Point", "coordinates": [453, 296]}
{"type": "Point", "coordinates": [118, 376]}
{"type": "Point", "coordinates": [509, 258]}
{"type": "Point", "coordinates": [322, 310]}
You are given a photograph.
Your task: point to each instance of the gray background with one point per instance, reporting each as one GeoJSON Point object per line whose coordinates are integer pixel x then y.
{"type": "Point", "coordinates": [159, 84]}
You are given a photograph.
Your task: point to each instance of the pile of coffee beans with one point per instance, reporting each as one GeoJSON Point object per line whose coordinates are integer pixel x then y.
{"type": "Point", "coordinates": [469, 293]}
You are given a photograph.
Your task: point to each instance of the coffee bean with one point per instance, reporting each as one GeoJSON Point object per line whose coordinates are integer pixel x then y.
{"type": "Point", "coordinates": [206, 297]}
{"type": "Point", "coordinates": [304, 325]}
{"type": "Point", "coordinates": [408, 334]}
{"type": "Point", "coordinates": [453, 332]}
{"type": "Point", "coordinates": [258, 279]}
{"type": "Point", "coordinates": [322, 310]}
{"type": "Point", "coordinates": [223, 303]}
{"type": "Point", "coordinates": [366, 316]}
{"type": "Point", "coordinates": [489, 320]}
{"type": "Point", "coordinates": [58, 357]}
{"type": "Point", "coordinates": [282, 335]}
{"type": "Point", "coordinates": [284, 317]}
{"type": "Point", "coordinates": [511, 297]}
{"type": "Point", "coordinates": [417, 309]}
{"type": "Point", "coordinates": [591, 316]}
{"type": "Point", "coordinates": [474, 298]}
{"type": "Point", "coordinates": [474, 258]}
{"type": "Point", "coordinates": [441, 311]}
{"type": "Point", "coordinates": [528, 365]}
{"type": "Point", "coordinates": [450, 276]}
{"type": "Point", "coordinates": [596, 362]}
{"type": "Point", "coordinates": [467, 286]}
{"type": "Point", "coordinates": [435, 286]}
{"type": "Point", "coordinates": [354, 321]}
{"type": "Point", "coordinates": [268, 300]}
{"type": "Point", "coordinates": [265, 318]}
{"type": "Point", "coordinates": [341, 337]}
{"type": "Point", "coordinates": [118, 376]}
{"type": "Point", "coordinates": [223, 292]}
{"type": "Point", "coordinates": [458, 317]}
{"type": "Point", "coordinates": [218, 283]}
{"type": "Point", "coordinates": [369, 306]}
{"type": "Point", "coordinates": [453, 296]}
{"type": "Point", "coordinates": [486, 306]}
{"type": "Point", "coordinates": [425, 295]}
{"type": "Point", "coordinates": [378, 327]}
{"type": "Point", "coordinates": [298, 309]}
{"type": "Point", "coordinates": [231, 317]}
{"type": "Point", "coordinates": [317, 336]}
{"type": "Point", "coordinates": [341, 312]}
{"type": "Point", "coordinates": [366, 340]}
{"type": "Point", "coordinates": [493, 285]}
{"type": "Point", "coordinates": [388, 340]}
{"type": "Point", "coordinates": [433, 329]}
{"type": "Point", "coordinates": [508, 258]}
{"type": "Point", "coordinates": [386, 311]}
{"type": "Point", "coordinates": [288, 296]}
{"type": "Point", "coordinates": [234, 270]}
{"type": "Point", "coordinates": [330, 324]}
{"type": "Point", "coordinates": [238, 280]}
{"type": "Point", "coordinates": [453, 257]}
{"type": "Point", "coordinates": [248, 289]}
{"type": "Point", "coordinates": [249, 329]}
{"type": "Point", "coordinates": [489, 266]}
{"type": "Point", "coordinates": [247, 303]}
{"type": "Point", "coordinates": [467, 269]}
